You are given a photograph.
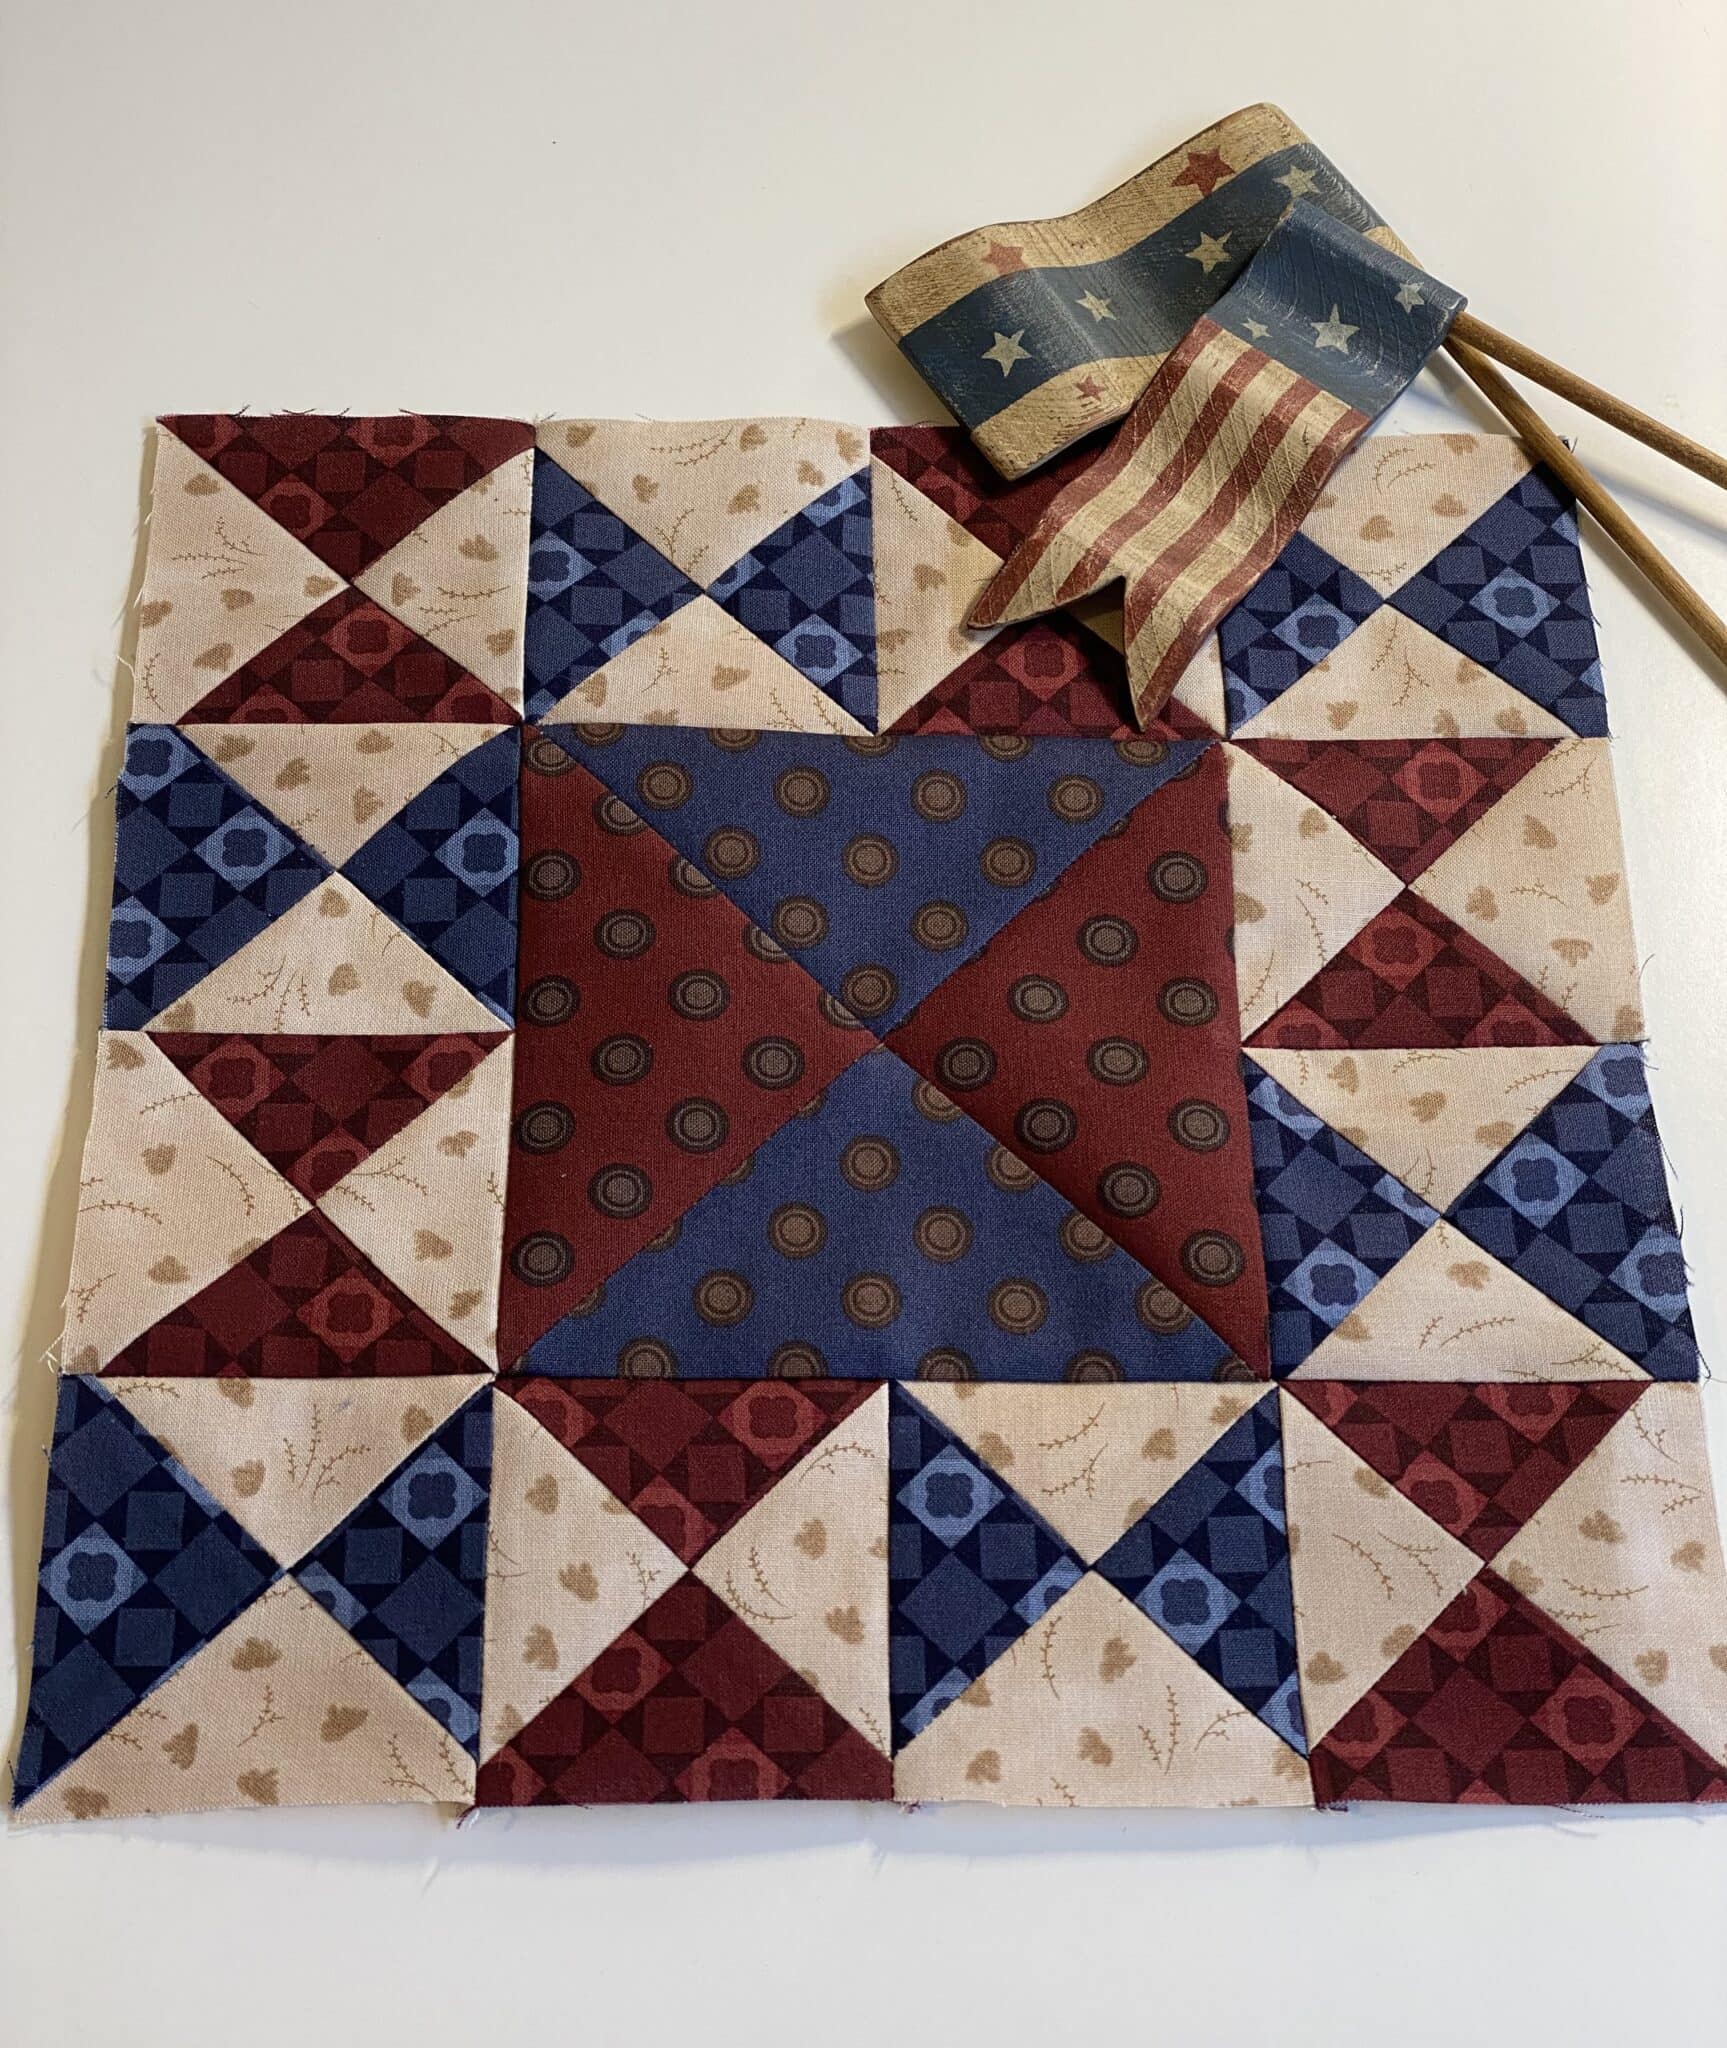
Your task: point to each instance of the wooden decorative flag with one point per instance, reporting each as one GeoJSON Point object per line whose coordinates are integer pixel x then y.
{"type": "Point", "coordinates": [1230, 445]}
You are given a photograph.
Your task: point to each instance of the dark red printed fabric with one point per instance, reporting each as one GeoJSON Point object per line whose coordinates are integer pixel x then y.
{"type": "Point", "coordinates": [350, 488]}
{"type": "Point", "coordinates": [1405, 800]}
{"type": "Point", "coordinates": [317, 1107]}
{"type": "Point", "coordinates": [1497, 1705]}
{"type": "Point", "coordinates": [350, 663]}
{"type": "Point", "coordinates": [661, 1038]}
{"type": "Point", "coordinates": [1411, 977]}
{"type": "Point", "coordinates": [689, 1704]}
{"type": "Point", "coordinates": [305, 1305]}
{"type": "Point", "coordinates": [1096, 1038]}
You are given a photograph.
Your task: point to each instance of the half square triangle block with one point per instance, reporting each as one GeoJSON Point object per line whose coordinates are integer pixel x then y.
{"type": "Point", "coordinates": [1413, 978]}
{"type": "Point", "coordinates": [350, 489]}
{"type": "Point", "coordinates": [140, 1566]}
{"type": "Point", "coordinates": [1578, 1206]}
{"type": "Point", "coordinates": [305, 1304]}
{"type": "Point", "coordinates": [885, 867]}
{"type": "Point", "coordinates": [1497, 1704]}
{"type": "Point", "coordinates": [687, 1704]}
{"type": "Point", "coordinates": [970, 1567]}
{"type": "Point", "coordinates": [1300, 611]}
{"type": "Point", "coordinates": [594, 586]}
{"type": "Point", "coordinates": [881, 1232]}
{"type": "Point", "coordinates": [1333, 1222]}
{"type": "Point", "coordinates": [1209, 1563]}
{"type": "Point", "coordinates": [444, 868]}
{"type": "Point", "coordinates": [316, 1107]}
{"type": "Point", "coordinates": [350, 662]}
{"type": "Point", "coordinates": [688, 1460]}
{"type": "Point", "coordinates": [405, 1572]}
{"type": "Point", "coordinates": [200, 868]}
{"type": "Point", "coordinates": [1477, 1460]}
{"type": "Point", "coordinates": [808, 590]}
{"type": "Point", "coordinates": [1510, 594]}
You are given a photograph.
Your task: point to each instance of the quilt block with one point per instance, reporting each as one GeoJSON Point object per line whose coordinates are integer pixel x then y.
{"type": "Point", "coordinates": [707, 1184]}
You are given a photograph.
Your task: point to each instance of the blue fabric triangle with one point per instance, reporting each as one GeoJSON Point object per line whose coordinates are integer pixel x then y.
{"type": "Point", "coordinates": [140, 1568]}
{"type": "Point", "coordinates": [1301, 610]}
{"type": "Point", "coordinates": [808, 590]}
{"type": "Point", "coordinates": [1209, 1564]}
{"type": "Point", "coordinates": [1510, 594]}
{"type": "Point", "coordinates": [1578, 1207]}
{"type": "Point", "coordinates": [874, 1231]}
{"type": "Point", "coordinates": [444, 868]}
{"type": "Point", "coordinates": [200, 867]}
{"type": "Point", "coordinates": [959, 834]}
{"type": "Point", "coordinates": [405, 1572]}
{"type": "Point", "coordinates": [594, 586]}
{"type": "Point", "coordinates": [970, 1567]}
{"type": "Point", "coordinates": [1332, 1221]}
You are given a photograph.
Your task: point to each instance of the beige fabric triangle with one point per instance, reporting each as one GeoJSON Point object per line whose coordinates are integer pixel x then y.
{"type": "Point", "coordinates": [222, 581]}
{"type": "Point", "coordinates": [1447, 1310]}
{"type": "Point", "coordinates": [806, 1567]}
{"type": "Point", "coordinates": [334, 963]}
{"type": "Point", "coordinates": [460, 579]}
{"type": "Point", "coordinates": [1370, 1570]}
{"type": "Point", "coordinates": [289, 1459]}
{"type": "Point", "coordinates": [1540, 881]}
{"type": "Point", "coordinates": [1090, 1460]}
{"type": "Point", "coordinates": [705, 491]}
{"type": "Point", "coordinates": [1304, 886]}
{"type": "Point", "coordinates": [170, 1196]}
{"type": "Point", "coordinates": [568, 1569]}
{"type": "Point", "coordinates": [428, 1207]}
{"type": "Point", "coordinates": [1095, 1706]}
{"type": "Point", "coordinates": [1401, 498]}
{"type": "Point", "coordinates": [1626, 1555]}
{"type": "Point", "coordinates": [282, 1708]}
{"type": "Point", "coordinates": [928, 574]}
{"type": "Point", "coordinates": [700, 667]}
{"type": "Point", "coordinates": [335, 785]}
{"type": "Point", "coordinates": [1201, 687]}
{"type": "Point", "coordinates": [1436, 1119]}
{"type": "Point", "coordinates": [1392, 679]}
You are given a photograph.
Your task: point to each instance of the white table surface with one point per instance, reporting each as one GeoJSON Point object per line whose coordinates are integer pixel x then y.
{"type": "Point", "coordinates": [524, 206]}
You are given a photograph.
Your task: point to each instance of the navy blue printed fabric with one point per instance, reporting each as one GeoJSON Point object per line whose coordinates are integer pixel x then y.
{"type": "Point", "coordinates": [883, 1234]}
{"type": "Point", "coordinates": [1332, 1222]}
{"type": "Point", "coordinates": [1209, 1563]}
{"type": "Point", "coordinates": [970, 1567]}
{"type": "Point", "coordinates": [1578, 1206]}
{"type": "Point", "coordinates": [1302, 609]}
{"type": "Point", "coordinates": [200, 867]}
{"type": "Point", "coordinates": [444, 868]}
{"type": "Point", "coordinates": [405, 1572]}
{"type": "Point", "coordinates": [140, 1567]}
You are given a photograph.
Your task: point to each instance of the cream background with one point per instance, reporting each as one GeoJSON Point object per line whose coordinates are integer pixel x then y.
{"type": "Point", "coordinates": [552, 207]}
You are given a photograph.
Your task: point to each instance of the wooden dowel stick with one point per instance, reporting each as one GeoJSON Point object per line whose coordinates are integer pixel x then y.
{"type": "Point", "coordinates": [1546, 445]}
{"type": "Point", "coordinates": [1567, 384]}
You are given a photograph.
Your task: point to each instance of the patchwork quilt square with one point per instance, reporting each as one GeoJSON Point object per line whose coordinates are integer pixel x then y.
{"type": "Point", "coordinates": [707, 1184]}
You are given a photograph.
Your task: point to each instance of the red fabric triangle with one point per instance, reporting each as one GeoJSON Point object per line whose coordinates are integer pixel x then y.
{"type": "Point", "coordinates": [350, 489]}
{"type": "Point", "coordinates": [1047, 677]}
{"type": "Point", "coordinates": [315, 1107]}
{"type": "Point", "coordinates": [1413, 978]}
{"type": "Point", "coordinates": [1478, 1460]}
{"type": "Point", "coordinates": [942, 463]}
{"type": "Point", "coordinates": [306, 1304]}
{"type": "Point", "coordinates": [689, 1704]}
{"type": "Point", "coordinates": [689, 1457]}
{"type": "Point", "coordinates": [1497, 1705]}
{"type": "Point", "coordinates": [1406, 800]}
{"type": "Point", "coordinates": [350, 663]}
{"type": "Point", "coordinates": [1112, 1068]}
{"type": "Point", "coordinates": [660, 1039]}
